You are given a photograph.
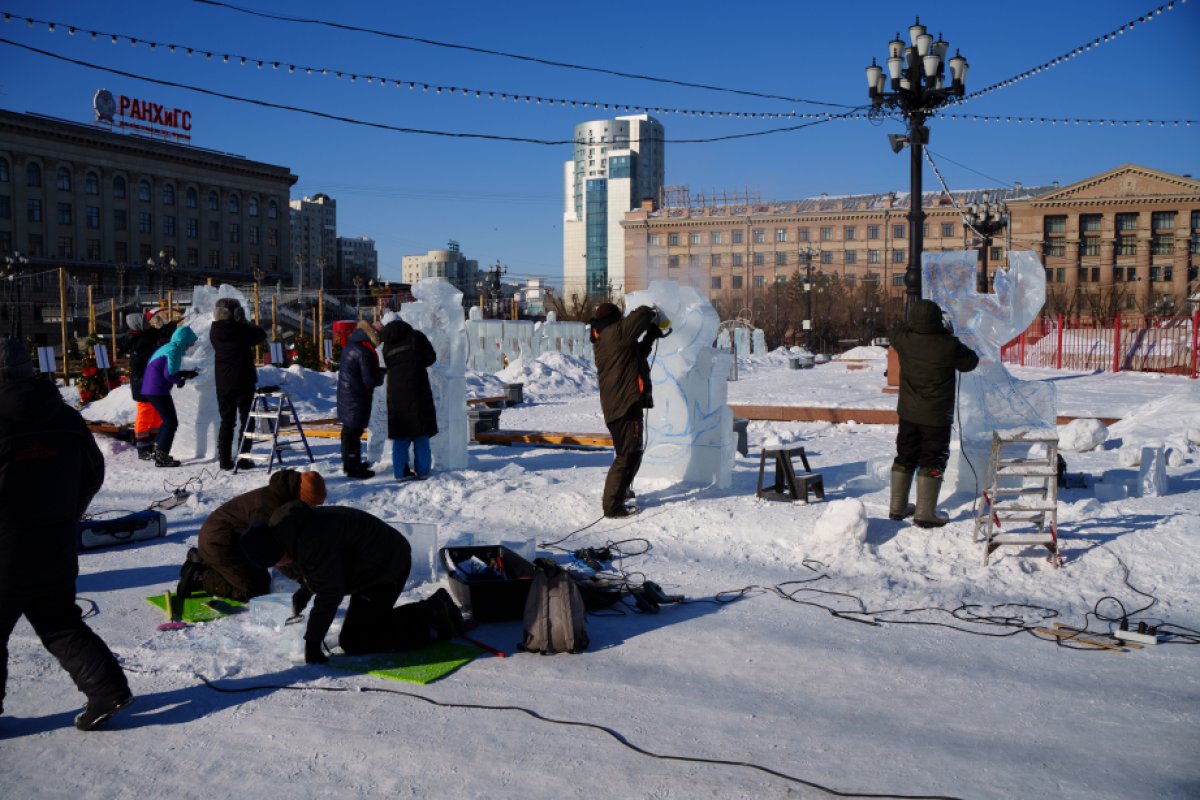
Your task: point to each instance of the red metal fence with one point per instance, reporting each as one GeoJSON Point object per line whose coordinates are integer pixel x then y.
{"type": "Point", "coordinates": [1135, 344]}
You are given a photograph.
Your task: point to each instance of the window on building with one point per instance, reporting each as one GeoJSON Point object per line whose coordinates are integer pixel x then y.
{"type": "Point", "coordinates": [235, 233]}
{"type": "Point", "coordinates": [33, 210]}
{"type": "Point", "coordinates": [1162, 220]}
{"type": "Point", "coordinates": [190, 198]}
{"type": "Point", "coordinates": [1162, 244]}
{"type": "Point", "coordinates": [1089, 223]}
{"type": "Point", "coordinates": [693, 260]}
{"type": "Point", "coordinates": [214, 202]}
{"type": "Point", "coordinates": [736, 281]}
{"type": "Point", "coordinates": [4, 170]}
{"type": "Point", "coordinates": [168, 225]}
{"type": "Point", "coordinates": [252, 234]}
{"type": "Point", "coordinates": [214, 259]}
{"type": "Point", "coordinates": [1055, 228]}
{"type": "Point", "coordinates": [272, 237]}
{"type": "Point", "coordinates": [65, 247]}
{"type": "Point", "coordinates": [694, 238]}
{"type": "Point", "coordinates": [898, 280]}
{"type": "Point", "coordinates": [849, 233]}
{"type": "Point", "coordinates": [714, 260]}
{"type": "Point", "coordinates": [145, 222]}
{"type": "Point", "coordinates": [672, 262]}
{"type": "Point", "coordinates": [1155, 274]}
{"type": "Point", "coordinates": [826, 234]}
{"type": "Point", "coordinates": [735, 259]}
{"type": "Point", "coordinates": [1127, 222]}
{"type": "Point", "coordinates": [1126, 244]}
{"type": "Point", "coordinates": [144, 191]}
{"type": "Point", "coordinates": [93, 249]}
{"type": "Point", "coordinates": [235, 260]}
{"type": "Point", "coordinates": [716, 282]}
{"type": "Point", "coordinates": [655, 240]}
{"type": "Point", "coordinates": [93, 216]}
{"type": "Point", "coordinates": [803, 234]}
{"type": "Point", "coordinates": [91, 183]}
{"type": "Point", "coordinates": [273, 263]}
{"type": "Point", "coordinates": [6, 243]}
{"type": "Point", "coordinates": [925, 230]}
{"type": "Point", "coordinates": [826, 257]}
{"type": "Point", "coordinates": [781, 259]}
{"type": "Point", "coordinates": [252, 206]}
{"type": "Point", "coordinates": [1118, 274]}
{"type": "Point", "coordinates": [760, 281]}
{"type": "Point", "coordinates": [1089, 246]}
{"type": "Point", "coordinates": [120, 222]}
{"type": "Point", "coordinates": [214, 230]}
{"type": "Point", "coordinates": [192, 257]}
{"type": "Point", "coordinates": [1168, 274]}
{"type": "Point", "coordinates": [673, 239]}
{"type": "Point", "coordinates": [737, 236]}
{"type": "Point", "coordinates": [997, 254]}
{"type": "Point", "coordinates": [851, 256]}
{"type": "Point", "coordinates": [758, 259]}
{"type": "Point", "coordinates": [899, 255]}
{"type": "Point", "coordinates": [191, 227]}
{"type": "Point", "coordinates": [63, 179]}
{"type": "Point", "coordinates": [64, 213]}
{"type": "Point", "coordinates": [1056, 224]}
{"type": "Point", "coordinates": [33, 174]}
{"type": "Point", "coordinates": [872, 231]}
{"type": "Point", "coordinates": [272, 210]}
{"type": "Point", "coordinates": [121, 251]}
{"type": "Point", "coordinates": [781, 234]}
{"type": "Point", "coordinates": [760, 236]}
{"type": "Point", "coordinates": [119, 187]}
{"type": "Point", "coordinates": [37, 245]}
{"type": "Point", "coordinates": [899, 231]}
{"type": "Point", "coordinates": [874, 257]}
{"type": "Point", "coordinates": [5, 207]}
{"type": "Point", "coordinates": [948, 230]}
{"type": "Point", "coordinates": [714, 237]}
{"type": "Point", "coordinates": [234, 203]}
{"type": "Point", "coordinates": [254, 261]}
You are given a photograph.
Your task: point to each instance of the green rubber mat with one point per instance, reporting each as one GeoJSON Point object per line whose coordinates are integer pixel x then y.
{"type": "Point", "coordinates": [424, 665]}
{"type": "Point", "coordinates": [200, 607]}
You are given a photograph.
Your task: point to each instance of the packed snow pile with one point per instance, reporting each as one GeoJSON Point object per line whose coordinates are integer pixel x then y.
{"type": "Point", "coordinates": [551, 374]}
{"type": "Point", "coordinates": [863, 353]}
{"type": "Point", "coordinates": [1081, 435]}
{"type": "Point", "coordinates": [1172, 421]}
{"type": "Point", "coordinates": [843, 525]}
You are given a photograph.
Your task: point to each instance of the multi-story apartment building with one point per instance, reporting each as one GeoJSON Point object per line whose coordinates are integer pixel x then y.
{"type": "Point", "coordinates": [616, 165]}
{"type": "Point", "coordinates": [314, 239]}
{"type": "Point", "coordinates": [1132, 234]}
{"type": "Point", "coordinates": [449, 264]}
{"type": "Point", "coordinates": [123, 211]}
{"type": "Point", "coordinates": [356, 257]}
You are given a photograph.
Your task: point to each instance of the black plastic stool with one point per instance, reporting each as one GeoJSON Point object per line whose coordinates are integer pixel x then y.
{"type": "Point", "coordinates": [788, 485]}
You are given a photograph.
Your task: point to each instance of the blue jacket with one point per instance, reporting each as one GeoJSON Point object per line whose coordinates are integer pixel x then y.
{"type": "Point", "coordinates": [162, 371]}
{"type": "Point", "coordinates": [358, 375]}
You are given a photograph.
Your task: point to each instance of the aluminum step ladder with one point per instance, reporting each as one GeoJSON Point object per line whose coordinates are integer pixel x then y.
{"type": "Point", "coordinates": [1020, 503]}
{"type": "Point", "coordinates": [272, 421]}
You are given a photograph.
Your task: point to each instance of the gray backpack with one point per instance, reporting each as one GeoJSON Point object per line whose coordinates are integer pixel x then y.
{"type": "Point", "coordinates": [555, 619]}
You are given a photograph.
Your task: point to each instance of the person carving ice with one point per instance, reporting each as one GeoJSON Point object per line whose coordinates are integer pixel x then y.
{"type": "Point", "coordinates": [930, 356]}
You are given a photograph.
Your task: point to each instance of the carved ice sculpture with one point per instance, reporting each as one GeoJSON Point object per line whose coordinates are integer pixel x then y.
{"type": "Point", "coordinates": [438, 313]}
{"type": "Point", "coordinates": [989, 397]}
{"type": "Point", "coordinates": [690, 428]}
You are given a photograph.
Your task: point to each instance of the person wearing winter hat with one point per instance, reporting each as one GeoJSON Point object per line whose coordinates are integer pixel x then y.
{"type": "Point", "coordinates": [338, 551]}
{"type": "Point", "coordinates": [930, 356]}
{"type": "Point", "coordinates": [217, 564]}
{"type": "Point", "coordinates": [139, 343]}
{"type": "Point", "coordinates": [233, 340]}
{"type": "Point", "coordinates": [358, 375]}
{"type": "Point", "coordinates": [50, 469]}
{"type": "Point", "coordinates": [163, 372]}
{"type": "Point", "coordinates": [622, 347]}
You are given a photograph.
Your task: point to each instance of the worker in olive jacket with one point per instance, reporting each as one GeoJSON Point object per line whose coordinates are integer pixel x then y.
{"type": "Point", "coordinates": [337, 551]}
{"type": "Point", "coordinates": [622, 346]}
{"type": "Point", "coordinates": [930, 358]}
{"type": "Point", "coordinates": [50, 468]}
{"type": "Point", "coordinates": [218, 565]}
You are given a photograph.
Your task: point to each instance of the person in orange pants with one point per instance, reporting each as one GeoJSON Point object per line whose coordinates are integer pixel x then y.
{"type": "Point", "coordinates": [140, 343]}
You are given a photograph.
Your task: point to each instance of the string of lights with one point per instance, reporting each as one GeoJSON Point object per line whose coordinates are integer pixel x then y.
{"type": "Point", "coordinates": [423, 85]}
{"type": "Point", "coordinates": [395, 128]}
{"type": "Point", "coordinates": [515, 56]}
{"type": "Point", "coordinates": [1087, 47]}
{"type": "Point", "coordinates": [1113, 123]}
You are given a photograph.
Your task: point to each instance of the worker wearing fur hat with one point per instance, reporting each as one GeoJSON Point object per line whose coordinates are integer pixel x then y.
{"type": "Point", "coordinates": [218, 565]}
{"type": "Point", "coordinates": [622, 348]}
{"type": "Point", "coordinates": [233, 340]}
{"type": "Point", "coordinates": [358, 375]}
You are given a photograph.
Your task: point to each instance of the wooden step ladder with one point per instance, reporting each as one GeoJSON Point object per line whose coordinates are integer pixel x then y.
{"type": "Point", "coordinates": [1022, 493]}
{"type": "Point", "coordinates": [272, 420]}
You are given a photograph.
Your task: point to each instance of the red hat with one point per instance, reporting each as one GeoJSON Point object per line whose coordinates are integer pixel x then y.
{"type": "Point", "coordinates": [312, 488]}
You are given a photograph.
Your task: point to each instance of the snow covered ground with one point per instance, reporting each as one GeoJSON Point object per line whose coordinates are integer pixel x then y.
{"type": "Point", "coordinates": [914, 705]}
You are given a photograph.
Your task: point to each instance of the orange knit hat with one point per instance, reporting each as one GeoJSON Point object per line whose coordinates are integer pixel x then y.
{"type": "Point", "coordinates": [312, 488]}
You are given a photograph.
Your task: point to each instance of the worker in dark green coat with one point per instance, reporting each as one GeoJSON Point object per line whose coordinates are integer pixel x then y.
{"type": "Point", "coordinates": [930, 358]}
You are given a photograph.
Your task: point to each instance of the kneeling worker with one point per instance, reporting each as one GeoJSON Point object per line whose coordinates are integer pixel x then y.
{"type": "Point", "coordinates": [218, 565]}
{"type": "Point", "coordinates": [338, 551]}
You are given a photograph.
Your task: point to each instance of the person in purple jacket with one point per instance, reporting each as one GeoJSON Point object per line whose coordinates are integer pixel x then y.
{"type": "Point", "coordinates": [164, 372]}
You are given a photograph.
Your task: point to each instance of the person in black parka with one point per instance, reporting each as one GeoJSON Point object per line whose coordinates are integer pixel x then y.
{"type": "Point", "coordinates": [412, 417]}
{"type": "Point", "coordinates": [930, 358]}
{"type": "Point", "coordinates": [358, 375]}
{"type": "Point", "coordinates": [337, 551]}
{"type": "Point", "coordinates": [50, 468]}
{"type": "Point", "coordinates": [139, 343]}
{"type": "Point", "coordinates": [233, 340]}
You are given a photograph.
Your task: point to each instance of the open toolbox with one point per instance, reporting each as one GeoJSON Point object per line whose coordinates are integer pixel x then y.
{"type": "Point", "coordinates": [493, 592]}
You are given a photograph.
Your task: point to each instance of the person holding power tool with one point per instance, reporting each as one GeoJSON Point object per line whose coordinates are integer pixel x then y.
{"type": "Point", "coordinates": [622, 348]}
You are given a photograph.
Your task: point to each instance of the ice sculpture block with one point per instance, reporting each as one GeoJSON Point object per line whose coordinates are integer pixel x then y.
{"type": "Point", "coordinates": [690, 428]}
{"type": "Point", "coordinates": [989, 398]}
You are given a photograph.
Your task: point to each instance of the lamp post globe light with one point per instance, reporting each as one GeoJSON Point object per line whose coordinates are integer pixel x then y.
{"type": "Point", "coordinates": [986, 219]}
{"type": "Point", "coordinates": [918, 86]}
{"type": "Point", "coordinates": [13, 264]}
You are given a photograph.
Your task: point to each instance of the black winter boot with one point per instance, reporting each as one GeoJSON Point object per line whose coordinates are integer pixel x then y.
{"type": "Point", "coordinates": [929, 484]}
{"type": "Point", "coordinates": [444, 616]}
{"type": "Point", "coordinates": [191, 575]}
{"type": "Point", "coordinates": [163, 459]}
{"type": "Point", "coordinates": [96, 714]}
{"type": "Point", "coordinates": [900, 508]}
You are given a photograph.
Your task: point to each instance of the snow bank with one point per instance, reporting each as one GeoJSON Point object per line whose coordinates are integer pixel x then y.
{"type": "Point", "coordinates": [864, 353]}
{"type": "Point", "coordinates": [1081, 435]}
{"type": "Point", "coordinates": [552, 374]}
{"type": "Point", "coordinates": [1172, 421]}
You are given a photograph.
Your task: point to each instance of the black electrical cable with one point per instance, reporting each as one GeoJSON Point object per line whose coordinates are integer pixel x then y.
{"type": "Point", "coordinates": [612, 732]}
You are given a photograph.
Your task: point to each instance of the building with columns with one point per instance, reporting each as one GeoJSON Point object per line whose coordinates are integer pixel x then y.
{"type": "Point", "coordinates": [1126, 239]}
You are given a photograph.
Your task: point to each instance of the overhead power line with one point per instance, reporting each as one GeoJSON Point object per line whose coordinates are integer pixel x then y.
{"type": "Point", "coordinates": [425, 86]}
{"type": "Point", "coordinates": [396, 128]}
{"type": "Point", "coordinates": [514, 56]}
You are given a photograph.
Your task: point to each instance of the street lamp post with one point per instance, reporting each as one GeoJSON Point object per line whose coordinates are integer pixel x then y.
{"type": "Point", "coordinates": [986, 219]}
{"type": "Point", "coordinates": [806, 257]}
{"type": "Point", "coordinates": [357, 280]}
{"type": "Point", "coordinates": [918, 78]}
{"type": "Point", "coordinates": [13, 265]}
{"type": "Point", "coordinates": [301, 260]}
{"type": "Point", "coordinates": [321, 262]}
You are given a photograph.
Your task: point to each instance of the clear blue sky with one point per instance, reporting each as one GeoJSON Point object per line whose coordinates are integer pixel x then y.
{"type": "Point", "coordinates": [502, 200]}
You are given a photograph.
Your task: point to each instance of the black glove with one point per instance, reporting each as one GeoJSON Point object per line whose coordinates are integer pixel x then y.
{"type": "Point", "coordinates": [313, 653]}
{"type": "Point", "coordinates": [300, 600]}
